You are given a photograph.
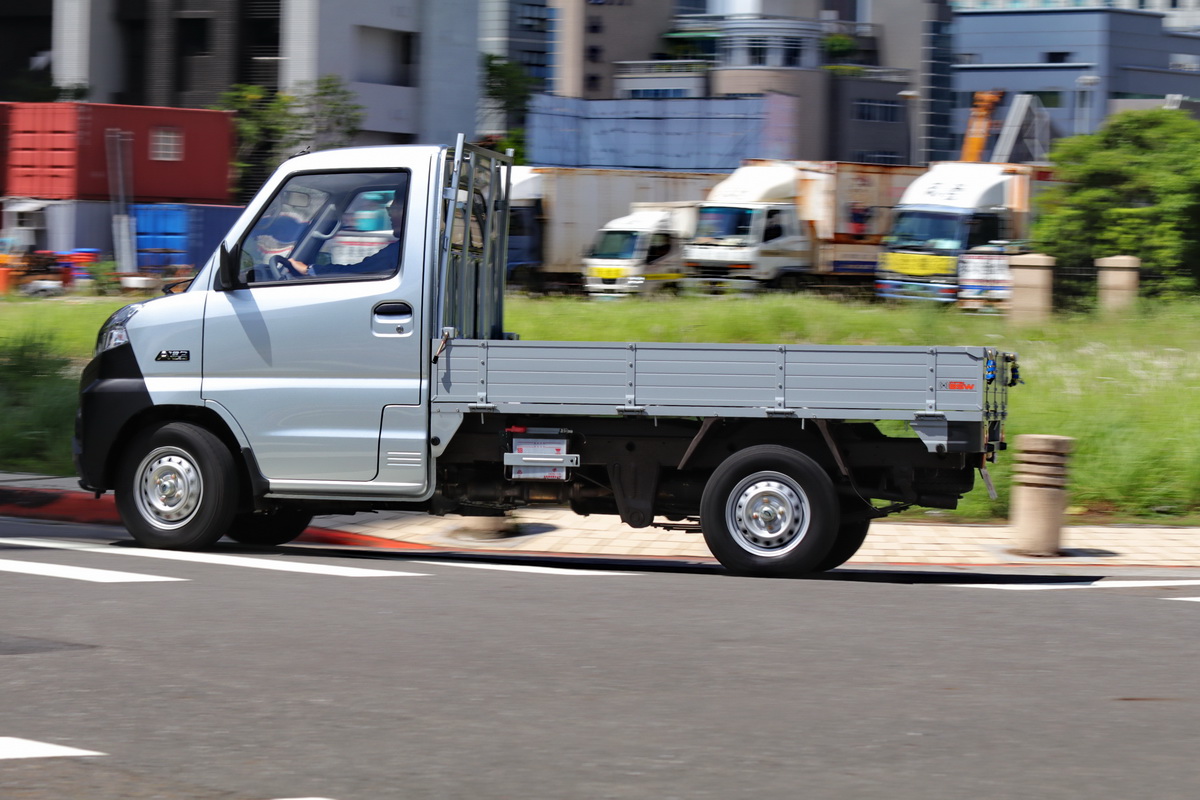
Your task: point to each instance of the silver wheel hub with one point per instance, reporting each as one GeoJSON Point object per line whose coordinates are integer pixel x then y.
{"type": "Point", "coordinates": [768, 514]}
{"type": "Point", "coordinates": [169, 488]}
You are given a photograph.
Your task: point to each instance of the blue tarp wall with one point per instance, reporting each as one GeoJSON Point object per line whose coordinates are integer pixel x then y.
{"type": "Point", "coordinates": [703, 134]}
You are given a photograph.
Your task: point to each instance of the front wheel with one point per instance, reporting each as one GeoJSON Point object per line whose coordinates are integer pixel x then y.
{"type": "Point", "coordinates": [275, 527]}
{"type": "Point", "coordinates": [177, 487]}
{"type": "Point", "coordinates": [769, 511]}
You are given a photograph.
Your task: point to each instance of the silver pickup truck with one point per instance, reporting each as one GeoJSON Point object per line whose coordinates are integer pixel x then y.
{"type": "Point", "coordinates": [344, 350]}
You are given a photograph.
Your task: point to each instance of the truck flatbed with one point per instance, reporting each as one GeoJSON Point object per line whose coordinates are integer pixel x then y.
{"type": "Point", "coordinates": [729, 380]}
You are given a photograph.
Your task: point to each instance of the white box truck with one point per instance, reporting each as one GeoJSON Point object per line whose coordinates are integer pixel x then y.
{"type": "Point", "coordinates": [556, 212]}
{"type": "Point", "coordinates": [791, 224]}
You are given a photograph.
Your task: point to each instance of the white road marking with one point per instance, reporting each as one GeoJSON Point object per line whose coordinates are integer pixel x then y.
{"type": "Point", "coordinates": [1184, 599]}
{"type": "Point", "coordinates": [11, 747]}
{"type": "Point", "coordinates": [1101, 584]}
{"type": "Point", "coordinates": [520, 568]}
{"type": "Point", "coordinates": [214, 558]}
{"type": "Point", "coordinates": [79, 573]}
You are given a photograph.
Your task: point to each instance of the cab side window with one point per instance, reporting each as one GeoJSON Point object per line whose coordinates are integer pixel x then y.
{"type": "Point", "coordinates": [984, 229]}
{"type": "Point", "coordinates": [660, 245]}
{"type": "Point", "coordinates": [774, 227]}
{"type": "Point", "coordinates": [329, 226]}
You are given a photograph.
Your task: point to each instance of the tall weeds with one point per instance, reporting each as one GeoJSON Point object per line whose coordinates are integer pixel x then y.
{"type": "Point", "coordinates": [1127, 388]}
{"type": "Point", "coordinates": [38, 398]}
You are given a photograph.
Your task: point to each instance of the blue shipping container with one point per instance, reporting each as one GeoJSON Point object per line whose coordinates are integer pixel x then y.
{"type": "Point", "coordinates": [162, 234]}
{"type": "Point", "coordinates": [172, 235]}
{"type": "Point", "coordinates": [209, 226]}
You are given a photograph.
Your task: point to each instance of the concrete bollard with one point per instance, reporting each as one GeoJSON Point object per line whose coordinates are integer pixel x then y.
{"type": "Point", "coordinates": [1039, 495]}
{"type": "Point", "coordinates": [1117, 279]}
{"type": "Point", "coordinates": [1032, 288]}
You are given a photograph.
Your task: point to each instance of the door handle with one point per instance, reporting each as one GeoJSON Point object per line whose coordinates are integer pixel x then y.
{"type": "Point", "coordinates": [393, 310]}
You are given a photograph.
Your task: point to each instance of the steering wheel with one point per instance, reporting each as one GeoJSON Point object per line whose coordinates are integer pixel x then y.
{"type": "Point", "coordinates": [282, 268]}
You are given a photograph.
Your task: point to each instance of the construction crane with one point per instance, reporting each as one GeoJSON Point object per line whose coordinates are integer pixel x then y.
{"type": "Point", "coordinates": [980, 123]}
{"type": "Point", "coordinates": [1026, 132]}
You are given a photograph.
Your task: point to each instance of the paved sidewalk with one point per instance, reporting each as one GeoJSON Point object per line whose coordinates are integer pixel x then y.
{"type": "Point", "coordinates": [561, 531]}
{"type": "Point", "coordinates": [555, 531]}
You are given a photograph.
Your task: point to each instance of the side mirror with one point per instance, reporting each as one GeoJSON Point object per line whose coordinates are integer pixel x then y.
{"type": "Point", "coordinates": [227, 271]}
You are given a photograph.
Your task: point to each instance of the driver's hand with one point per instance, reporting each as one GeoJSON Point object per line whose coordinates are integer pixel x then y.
{"type": "Point", "coordinates": [299, 266]}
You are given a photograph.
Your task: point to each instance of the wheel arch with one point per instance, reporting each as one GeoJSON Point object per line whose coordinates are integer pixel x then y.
{"type": "Point", "coordinates": [201, 416]}
{"type": "Point", "coordinates": [724, 437]}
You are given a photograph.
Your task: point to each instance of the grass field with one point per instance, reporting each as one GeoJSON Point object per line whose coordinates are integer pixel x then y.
{"type": "Point", "coordinates": [1127, 389]}
{"type": "Point", "coordinates": [70, 323]}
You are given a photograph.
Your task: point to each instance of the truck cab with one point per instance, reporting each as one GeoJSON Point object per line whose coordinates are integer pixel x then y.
{"type": "Point", "coordinates": [641, 251]}
{"type": "Point", "coordinates": [749, 233]}
{"type": "Point", "coordinates": [302, 347]}
{"type": "Point", "coordinates": [525, 226]}
{"type": "Point", "coordinates": [748, 246]}
{"type": "Point", "coordinates": [947, 221]}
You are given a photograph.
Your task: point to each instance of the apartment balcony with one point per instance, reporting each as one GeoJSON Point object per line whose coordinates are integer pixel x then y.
{"type": "Point", "coordinates": [715, 23]}
{"type": "Point", "coordinates": [862, 72]}
{"type": "Point", "coordinates": [645, 68]}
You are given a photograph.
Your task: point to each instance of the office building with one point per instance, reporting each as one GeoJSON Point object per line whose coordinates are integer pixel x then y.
{"type": "Point", "coordinates": [403, 59]}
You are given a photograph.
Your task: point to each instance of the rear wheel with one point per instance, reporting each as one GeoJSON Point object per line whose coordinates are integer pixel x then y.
{"type": "Point", "coordinates": [769, 511]}
{"type": "Point", "coordinates": [790, 282]}
{"type": "Point", "coordinates": [177, 487]}
{"type": "Point", "coordinates": [850, 538]}
{"type": "Point", "coordinates": [275, 527]}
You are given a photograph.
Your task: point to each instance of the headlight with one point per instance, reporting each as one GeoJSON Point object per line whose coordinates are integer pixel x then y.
{"type": "Point", "coordinates": [113, 333]}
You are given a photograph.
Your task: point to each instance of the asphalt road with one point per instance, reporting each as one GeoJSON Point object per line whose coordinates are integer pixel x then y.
{"type": "Point", "coordinates": [306, 673]}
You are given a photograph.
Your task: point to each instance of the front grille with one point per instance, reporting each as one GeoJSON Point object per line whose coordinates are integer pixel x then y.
{"type": "Point", "coordinates": [713, 271]}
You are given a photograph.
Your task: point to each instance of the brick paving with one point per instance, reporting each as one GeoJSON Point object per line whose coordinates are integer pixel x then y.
{"type": "Point", "coordinates": [560, 531]}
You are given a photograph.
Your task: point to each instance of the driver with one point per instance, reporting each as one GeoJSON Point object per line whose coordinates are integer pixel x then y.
{"type": "Point", "coordinates": [380, 263]}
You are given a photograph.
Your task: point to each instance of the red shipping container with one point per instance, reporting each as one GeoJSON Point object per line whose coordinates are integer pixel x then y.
{"type": "Point", "coordinates": [60, 151]}
{"type": "Point", "coordinates": [4, 139]}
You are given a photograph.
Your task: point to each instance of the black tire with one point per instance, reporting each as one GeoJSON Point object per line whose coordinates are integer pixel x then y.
{"type": "Point", "coordinates": [789, 282]}
{"type": "Point", "coordinates": [850, 537]}
{"type": "Point", "coordinates": [275, 527]}
{"type": "Point", "coordinates": [769, 511]}
{"type": "Point", "coordinates": [177, 487]}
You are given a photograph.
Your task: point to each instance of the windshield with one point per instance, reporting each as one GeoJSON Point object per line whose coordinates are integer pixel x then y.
{"type": "Point", "coordinates": [927, 230]}
{"type": "Point", "coordinates": [728, 226]}
{"type": "Point", "coordinates": [615, 244]}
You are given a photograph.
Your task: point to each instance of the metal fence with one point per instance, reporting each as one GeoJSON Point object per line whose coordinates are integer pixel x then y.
{"type": "Point", "coordinates": [1076, 288]}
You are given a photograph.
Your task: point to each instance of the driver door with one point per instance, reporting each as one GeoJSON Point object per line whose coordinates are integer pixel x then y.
{"type": "Point", "coordinates": [307, 363]}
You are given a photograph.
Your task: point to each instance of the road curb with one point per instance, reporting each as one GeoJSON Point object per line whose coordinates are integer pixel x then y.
{"type": "Point", "coordinates": [338, 538]}
{"type": "Point", "coordinates": [80, 507]}
{"type": "Point", "coordinates": [59, 506]}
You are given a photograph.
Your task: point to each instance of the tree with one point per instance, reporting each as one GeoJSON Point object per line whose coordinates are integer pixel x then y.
{"type": "Point", "coordinates": [271, 126]}
{"type": "Point", "coordinates": [262, 119]}
{"type": "Point", "coordinates": [509, 86]}
{"type": "Point", "coordinates": [1131, 188]}
{"type": "Point", "coordinates": [37, 86]}
{"type": "Point", "coordinates": [328, 114]}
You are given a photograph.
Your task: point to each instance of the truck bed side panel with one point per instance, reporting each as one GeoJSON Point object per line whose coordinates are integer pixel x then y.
{"type": "Point", "coordinates": [727, 379]}
{"type": "Point", "coordinates": [543, 372]}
